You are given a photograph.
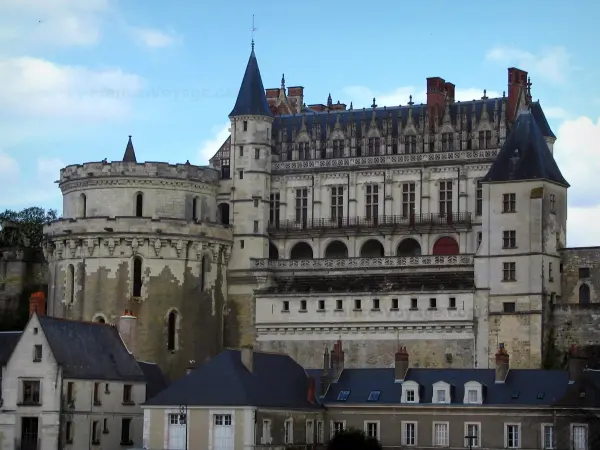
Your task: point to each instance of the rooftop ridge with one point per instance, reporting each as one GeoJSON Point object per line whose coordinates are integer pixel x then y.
{"type": "Point", "coordinates": [83, 322]}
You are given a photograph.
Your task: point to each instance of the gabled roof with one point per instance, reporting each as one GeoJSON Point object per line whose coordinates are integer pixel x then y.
{"type": "Point", "coordinates": [8, 342]}
{"type": "Point", "coordinates": [129, 155]}
{"type": "Point", "coordinates": [90, 350]}
{"type": "Point", "coordinates": [251, 99]}
{"type": "Point", "coordinates": [156, 382]}
{"type": "Point", "coordinates": [525, 155]}
{"type": "Point", "coordinates": [523, 387]}
{"type": "Point", "coordinates": [276, 381]}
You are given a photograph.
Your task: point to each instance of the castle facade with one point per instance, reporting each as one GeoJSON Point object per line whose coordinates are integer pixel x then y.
{"type": "Point", "coordinates": [440, 226]}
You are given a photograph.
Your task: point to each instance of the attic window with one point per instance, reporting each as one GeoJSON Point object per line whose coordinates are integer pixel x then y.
{"type": "Point", "coordinates": [515, 395]}
{"type": "Point", "coordinates": [540, 395]}
{"type": "Point", "coordinates": [374, 396]}
{"type": "Point", "coordinates": [343, 396]}
{"type": "Point", "coordinates": [582, 394]}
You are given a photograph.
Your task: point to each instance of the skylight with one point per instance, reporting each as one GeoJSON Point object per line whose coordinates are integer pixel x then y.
{"type": "Point", "coordinates": [515, 395]}
{"type": "Point", "coordinates": [540, 395]}
{"type": "Point", "coordinates": [343, 396]}
{"type": "Point", "coordinates": [374, 396]}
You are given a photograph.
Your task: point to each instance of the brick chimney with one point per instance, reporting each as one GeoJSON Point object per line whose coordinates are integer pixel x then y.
{"type": "Point", "coordinates": [577, 362]}
{"type": "Point", "coordinates": [311, 397]}
{"type": "Point", "coordinates": [401, 364]}
{"type": "Point", "coordinates": [324, 379]}
{"type": "Point", "coordinates": [247, 355]}
{"type": "Point", "coordinates": [37, 303]}
{"type": "Point", "coordinates": [436, 97]}
{"type": "Point", "coordinates": [337, 361]}
{"type": "Point", "coordinates": [517, 85]}
{"type": "Point", "coordinates": [127, 327]}
{"type": "Point", "coordinates": [502, 364]}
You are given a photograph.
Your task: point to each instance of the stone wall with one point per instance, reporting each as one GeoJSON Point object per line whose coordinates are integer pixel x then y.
{"type": "Point", "coordinates": [21, 270]}
{"type": "Point", "coordinates": [572, 260]}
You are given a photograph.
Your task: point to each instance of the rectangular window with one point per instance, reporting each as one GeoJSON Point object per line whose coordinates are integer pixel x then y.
{"type": "Point", "coordinates": [302, 305]}
{"type": "Point", "coordinates": [241, 151]}
{"type": "Point", "coordinates": [479, 199]}
{"type": "Point", "coordinates": [31, 392]}
{"type": "Point", "coordinates": [584, 272]}
{"type": "Point", "coordinates": [37, 353]}
{"type": "Point", "coordinates": [408, 199]}
{"type": "Point", "coordinates": [479, 238]}
{"type": "Point", "coordinates": [509, 239]}
{"type": "Point", "coordinates": [320, 432]}
{"type": "Point", "coordinates": [440, 431]}
{"type": "Point", "coordinates": [70, 395]}
{"type": "Point", "coordinates": [548, 437]}
{"type": "Point", "coordinates": [257, 153]}
{"type": "Point", "coordinates": [309, 432]}
{"type": "Point", "coordinates": [225, 169]}
{"type": "Point", "coordinates": [372, 429]}
{"type": "Point", "coordinates": [447, 142]}
{"type": "Point", "coordinates": [372, 201]}
{"type": "Point", "coordinates": [337, 427]}
{"type": "Point", "coordinates": [337, 203]}
{"type": "Point", "coordinates": [376, 303]}
{"type": "Point", "coordinates": [441, 396]}
{"type": "Point", "coordinates": [241, 243]}
{"type": "Point", "coordinates": [266, 432]}
{"type": "Point", "coordinates": [105, 426]}
{"type": "Point", "coordinates": [552, 203]}
{"type": "Point", "coordinates": [550, 272]}
{"type": "Point", "coordinates": [256, 226]}
{"type": "Point", "coordinates": [394, 303]}
{"type": "Point", "coordinates": [452, 302]}
{"type": "Point", "coordinates": [303, 151]}
{"type": "Point", "coordinates": [509, 307]}
{"type": "Point", "coordinates": [96, 393]}
{"type": "Point", "coordinates": [126, 431]}
{"type": "Point", "coordinates": [410, 144]}
{"type": "Point", "coordinates": [220, 419]}
{"type": "Point", "coordinates": [339, 305]}
{"type": "Point", "coordinates": [485, 139]}
{"type": "Point", "coordinates": [473, 435]}
{"type": "Point", "coordinates": [410, 395]}
{"type": "Point", "coordinates": [472, 396]}
{"type": "Point", "coordinates": [579, 437]}
{"type": "Point", "coordinates": [445, 198]}
{"type": "Point", "coordinates": [127, 393]}
{"type": "Point", "coordinates": [302, 206]}
{"type": "Point", "coordinates": [357, 304]}
{"type": "Point", "coordinates": [373, 147]}
{"type": "Point", "coordinates": [409, 434]}
{"type": "Point", "coordinates": [95, 432]}
{"type": "Point", "coordinates": [256, 202]}
{"type": "Point", "coordinates": [414, 303]}
{"type": "Point", "coordinates": [288, 436]}
{"type": "Point", "coordinates": [274, 209]}
{"type": "Point", "coordinates": [509, 203]}
{"type": "Point", "coordinates": [432, 303]}
{"type": "Point", "coordinates": [285, 306]}
{"type": "Point", "coordinates": [338, 148]}
{"type": "Point", "coordinates": [321, 304]}
{"type": "Point", "coordinates": [512, 436]}
{"type": "Point", "coordinates": [241, 174]}
{"type": "Point", "coordinates": [245, 125]}
{"type": "Point", "coordinates": [69, 432]}
{"type": "Point", "coordinates": [509, 271]}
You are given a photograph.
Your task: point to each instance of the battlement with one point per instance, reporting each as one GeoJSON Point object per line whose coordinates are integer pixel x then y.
{"type": "Point", "coordinates": [139, 226]}
{"type": "Point", "coordinates": [203, 174]}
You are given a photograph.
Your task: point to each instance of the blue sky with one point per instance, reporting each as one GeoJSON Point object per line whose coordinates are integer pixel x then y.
{"type": "Point", "coordinates": [76, 78]}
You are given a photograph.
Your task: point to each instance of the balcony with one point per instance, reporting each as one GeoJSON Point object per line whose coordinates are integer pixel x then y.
{"type": "Point", "coordinates": [418, 263]}
{"type": "Point", "coordinates": [409, 159]}
{"type": "Point", "coordinates": [414, 221]}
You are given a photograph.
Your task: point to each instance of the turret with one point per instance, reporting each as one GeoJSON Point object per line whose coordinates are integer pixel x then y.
{"type": "Point", "coordinates": [251, 128]}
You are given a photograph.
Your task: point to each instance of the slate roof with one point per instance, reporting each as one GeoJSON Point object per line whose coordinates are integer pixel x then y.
{"type": "Point", "coordinates": [523, 387]}
{"type": "Point", "coordinates": [251, 99]}
{"type": "Point", "coordinates": [129, 155]}
{"type": "Point", "coordinates": [525, 155]}
{"type": "Point", "coordinates": [91, 351]}
{"type": "Point", "coordinates": [276, 381]}
{"type": "Point", "coordinates": [156, 382]}
{"type": "Point", "coordinates": [8, 342]}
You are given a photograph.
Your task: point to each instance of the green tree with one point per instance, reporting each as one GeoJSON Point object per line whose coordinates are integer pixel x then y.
{"type": "Point", "coordinates": [353, 439]}
{"type": "Point", "coordinates": [24, 228]}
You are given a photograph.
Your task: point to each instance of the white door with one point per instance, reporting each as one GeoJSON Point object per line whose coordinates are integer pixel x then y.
{"type": "Point", "coordinates": [177, 428]}
{"type": "Point", "coordinates": [222, 432]}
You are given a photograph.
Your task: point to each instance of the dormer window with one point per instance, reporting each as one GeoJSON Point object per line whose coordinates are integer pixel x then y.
{"type": "Point", "coordinates": [410, 392]}
{"type": "Point", "coordinates": [343, 396]}
{"type": "Point", "coordinates": [473, 393]}
{"type": "Point", "coordinates": [441, 392]}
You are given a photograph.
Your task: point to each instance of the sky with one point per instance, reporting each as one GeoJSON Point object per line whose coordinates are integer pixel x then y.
{"type": "Point", "coordinates": [77, 77]}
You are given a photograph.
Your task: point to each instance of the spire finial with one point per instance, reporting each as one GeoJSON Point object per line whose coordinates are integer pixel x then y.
{"type": "Point", "coordinates": [283, 81]}
{"type": "Point", "coordinates": [253, 30]}
{"type": "Point", "coordinates": [410, 102]}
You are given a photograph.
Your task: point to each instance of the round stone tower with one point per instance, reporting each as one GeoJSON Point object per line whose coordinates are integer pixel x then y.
{"type": "Point", "coordinates": [143, 238]}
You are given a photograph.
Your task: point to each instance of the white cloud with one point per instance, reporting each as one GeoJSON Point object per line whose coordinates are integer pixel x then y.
{"type": "Point", "coordinates": [9, 167]}
{"type": "Point", "coordinates": [551, 64]}
{"type": "Point", "coordinates": [33, 23]}
{"type": "Point", "coordinates": [153, 38]}
{"type": "Point", "coordinates": [212, 145]}
{"type": "Point", "coordinates": [37, 88]}
{"type": "Point", "coordinates": [362, 96]}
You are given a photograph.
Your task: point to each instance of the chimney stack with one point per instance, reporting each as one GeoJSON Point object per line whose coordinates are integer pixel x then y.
{"type": "Point", "coordinates": [324, 379]}
{"type": "Point", "coordinates": [311, 390]}
{"type": "Point", "coordinates": [37, 304]}
{"type": "Point", "coordinates": [502, 364]}
{"type": "Point", "coordinates": [247, 355]}
{"type": "Point", "coordinates": [128, 330]}
{"type": "Point", "coordinates": [577, 362]}
{"type": "Point", "coordinates": [401, 364]}
{"type": "Point", "coordinates": [337, 363]}
{"type": "Point", "coordinates": [517, 85]}
{"type": "Point", "coordinates": [436, 97]}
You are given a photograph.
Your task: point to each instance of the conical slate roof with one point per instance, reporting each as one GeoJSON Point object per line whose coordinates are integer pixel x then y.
{"type": "Point", "coordinates": [129, 155]}
{"type": "Point", "coordinates": [251, 99]}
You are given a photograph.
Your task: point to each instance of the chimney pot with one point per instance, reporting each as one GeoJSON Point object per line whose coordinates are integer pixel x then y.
{"type": "Point", "coordinates": [502, 364]}
{"type": "Point", "coordinates": [37, 303]}
{"type": "Point", "coordinates": [247, 355]}
{"type": "Point", "coordinates": [401, 364]}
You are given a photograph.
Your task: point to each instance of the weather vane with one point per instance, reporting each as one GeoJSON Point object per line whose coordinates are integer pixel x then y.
{"type": "Point", "coordinates": [253, 30]}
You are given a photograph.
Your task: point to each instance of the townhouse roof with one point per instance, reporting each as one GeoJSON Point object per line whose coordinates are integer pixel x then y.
{"type": "Point", "coordinates": [8, 342]}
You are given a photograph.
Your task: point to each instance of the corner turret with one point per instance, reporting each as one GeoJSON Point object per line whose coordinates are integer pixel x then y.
{"type": "Point", "coordinates": [251, 99]}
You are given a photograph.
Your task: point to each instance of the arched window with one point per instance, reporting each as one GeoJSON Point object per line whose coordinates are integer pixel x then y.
{"type": "Point", "coordinates": [99, 319]}
{"type": "Point", "coordinates": [172, 331]}
{"type": "Point", "coordinates": [301, 250]}
{"type": "Point", "coordinates": [204, 272]}
{"type": "Point", "coordinates": [70, 283]}
{"type": "Point", "coordinates": [584, 294]}
{"type": "Point", "coordinates": [137, 277]}
{"type": "Point", "coordinates": [83, 200]}
{"type": "Point", "coordinates": [139, 204]}
{"type": "Point", "coordinates": [372, 249]}
{"type": "Point", "coordinates": [445, 246]}
{"type": "Point", "coordinates": [195, 209]}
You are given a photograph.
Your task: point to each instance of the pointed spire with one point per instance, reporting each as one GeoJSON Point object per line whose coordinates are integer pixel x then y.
{"type": "Point", "coordinates": [283, 82]}
{"type": "Point", "coordinates": [251, 99]}
{"type": "Point", "coordinates": [329, 101]}
{"type": "Point", "coordinates": [129, 155]}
